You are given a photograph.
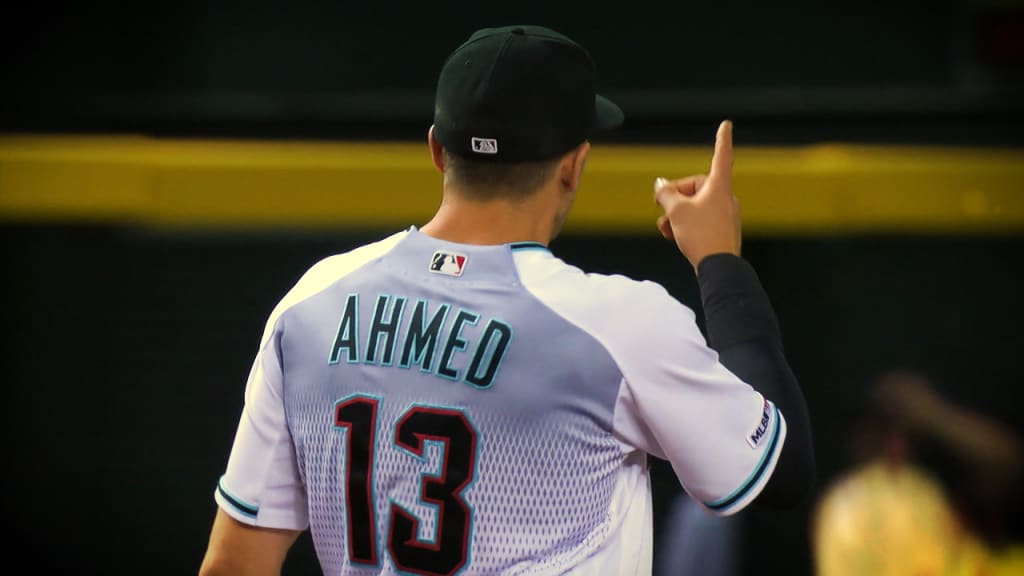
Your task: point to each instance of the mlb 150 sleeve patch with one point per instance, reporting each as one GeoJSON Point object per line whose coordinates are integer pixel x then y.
{"type": "Point", "coordinates": [769, 436]}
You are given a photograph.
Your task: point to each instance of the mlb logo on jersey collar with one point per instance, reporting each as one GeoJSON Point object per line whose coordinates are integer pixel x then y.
{"type": "Point", "coordinates": [449, 263]}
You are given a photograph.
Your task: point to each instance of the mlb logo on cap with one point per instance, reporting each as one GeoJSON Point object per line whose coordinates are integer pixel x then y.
{"type": "Point", "coordinates": [485, 145]}
{"type": "Point", "coordinates": [448, 263]}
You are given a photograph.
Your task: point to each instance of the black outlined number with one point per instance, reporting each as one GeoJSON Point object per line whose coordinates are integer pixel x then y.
{"type": "Point", "coordinates": [448, 551]}
{"type": "Point", "coordinates": [358, 415]}
{"type": "Point", "coordinates": [450, 548]}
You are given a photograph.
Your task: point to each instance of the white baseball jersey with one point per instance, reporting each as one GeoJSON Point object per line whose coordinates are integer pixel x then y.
{"type": "Point", "coordinates": [437, 408]}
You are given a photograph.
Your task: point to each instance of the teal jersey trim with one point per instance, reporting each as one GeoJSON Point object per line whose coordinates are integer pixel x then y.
{"type": "Point", "coordinates": [755, 476]}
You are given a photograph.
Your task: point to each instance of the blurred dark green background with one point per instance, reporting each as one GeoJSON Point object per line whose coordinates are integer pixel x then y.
{"type": "Point", "coordinates": [128, 348]}
{"type": "Point", "coordinates": [911, 70]}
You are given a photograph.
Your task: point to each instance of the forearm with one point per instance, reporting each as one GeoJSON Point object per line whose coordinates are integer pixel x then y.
{"type": "Point", "coordinates": [742, 328]}
{"type": "Point", "coordinates": [235, 548]}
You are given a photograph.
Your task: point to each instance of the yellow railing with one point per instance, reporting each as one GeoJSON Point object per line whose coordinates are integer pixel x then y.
{"type": "Point", "coordinates": [832, 188]}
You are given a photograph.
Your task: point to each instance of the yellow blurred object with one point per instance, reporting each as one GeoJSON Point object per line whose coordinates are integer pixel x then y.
{"type": "Point", "coordinates": [883, 520]}
{"type": "Point", "coordinates": [825, 188]}
{"type": "Point", "coordinates": [1008, 561]}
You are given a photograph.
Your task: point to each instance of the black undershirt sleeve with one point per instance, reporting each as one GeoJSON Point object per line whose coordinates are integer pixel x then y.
{"type": "Point", "coordinates": [742, 327]}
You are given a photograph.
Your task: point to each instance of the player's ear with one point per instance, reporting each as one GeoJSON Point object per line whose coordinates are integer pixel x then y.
{"type": "Point", "coordinates": [436, 151]}
{"type": "Point", "coordinates": [570, 169]}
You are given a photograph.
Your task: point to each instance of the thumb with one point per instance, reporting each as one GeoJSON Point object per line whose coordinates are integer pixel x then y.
{"type": "Point", "coordinates": [664, 193]}
{"type": "Point", "coordinates": [667, 192]}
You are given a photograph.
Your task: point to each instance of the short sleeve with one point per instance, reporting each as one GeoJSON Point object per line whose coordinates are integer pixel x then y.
{"type": "Point", "coordinates": [678, 402]}
{"type": "Point", "coordinates": [262, 486]}
{"type": "Point", "coordinates": [675, 400]}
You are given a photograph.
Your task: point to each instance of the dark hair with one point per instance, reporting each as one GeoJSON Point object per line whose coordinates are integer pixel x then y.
{"type": "Point", "coordinates": [484, 180]}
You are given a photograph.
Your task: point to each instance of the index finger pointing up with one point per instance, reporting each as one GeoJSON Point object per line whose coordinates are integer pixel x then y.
{"type": "Point", "coordinates": [721, 162]}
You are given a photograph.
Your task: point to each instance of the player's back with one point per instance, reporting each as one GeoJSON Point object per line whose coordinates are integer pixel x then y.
{"type": "Point", "coordinates": [451, 411]}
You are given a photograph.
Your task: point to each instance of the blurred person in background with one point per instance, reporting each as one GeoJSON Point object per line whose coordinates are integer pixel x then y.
{"type": "Point", "coordinates": [893, 513]}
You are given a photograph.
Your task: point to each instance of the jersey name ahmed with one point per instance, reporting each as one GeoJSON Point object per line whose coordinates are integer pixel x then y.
{"type": "Point", "coordinates": [429, 407]}
{"type": "Point", "coordinates": [430, 335]}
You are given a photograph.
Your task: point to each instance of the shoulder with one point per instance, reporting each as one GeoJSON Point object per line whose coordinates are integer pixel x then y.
{"type": "Point", "coordinates": [600, 303]}
{"type": "Point", "coordinates": [333, 268]}
{"type": "Point", "coordinates": [546, 275]}
{"type": "Point", "coordinates": [330, 270]}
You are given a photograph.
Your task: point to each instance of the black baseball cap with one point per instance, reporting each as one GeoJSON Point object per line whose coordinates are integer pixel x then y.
{"type": "Point", "coordinates": [519, 94]}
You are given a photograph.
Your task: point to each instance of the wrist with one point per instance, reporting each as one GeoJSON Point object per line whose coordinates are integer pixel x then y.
{"type": "Point", "coordinates": [714, 259]}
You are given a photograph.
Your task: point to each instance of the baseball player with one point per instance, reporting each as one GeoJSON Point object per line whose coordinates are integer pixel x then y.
{"type": "Point", "coordinates": [455, 399]}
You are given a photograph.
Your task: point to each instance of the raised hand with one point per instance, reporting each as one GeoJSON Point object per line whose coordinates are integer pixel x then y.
{"type": "Point", "coordinates": [701, 214]}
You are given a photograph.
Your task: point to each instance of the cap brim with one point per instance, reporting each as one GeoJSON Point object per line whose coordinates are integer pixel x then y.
{"type": "Point", "coordinates": [607, 114]}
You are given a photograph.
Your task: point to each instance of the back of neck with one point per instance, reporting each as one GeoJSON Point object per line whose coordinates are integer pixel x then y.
{"type": "Point", "coordinates": [490, 222]}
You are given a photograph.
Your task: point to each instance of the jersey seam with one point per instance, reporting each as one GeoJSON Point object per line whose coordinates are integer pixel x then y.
{"type": "Point", "coordinates": [331, 284]}
{"type": "Point", "coordinates": [622, 375]}
{"type": "Point", "coordinates": [290, 307]}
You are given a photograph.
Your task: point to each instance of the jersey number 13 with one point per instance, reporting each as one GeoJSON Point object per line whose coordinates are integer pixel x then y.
{"type": "Point", "coordinates": [450, 427]}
